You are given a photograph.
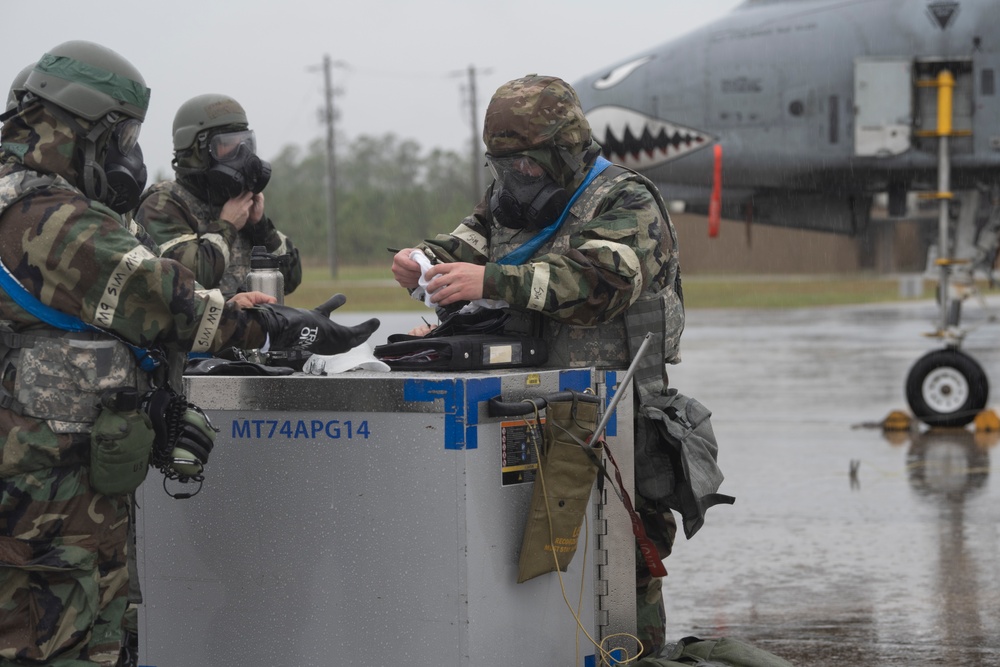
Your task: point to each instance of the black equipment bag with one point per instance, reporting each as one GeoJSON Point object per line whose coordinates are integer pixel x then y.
{"type": "Point", "coordinates": [464, 342]}
{"type": "Point", "coordinates": [467, 352]}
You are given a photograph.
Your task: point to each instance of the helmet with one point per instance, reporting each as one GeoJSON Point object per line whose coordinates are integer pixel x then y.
{"type": "Point", "coordinates": [215, 152]}
{"type": "Point", "coordinates": [205, 112]}
{"type": "Point", "coordinates": [17, 87]}
{"type": "Point", "coordinates": [535, 112]}
{"type": "Point", "coordinates": [90, 81]}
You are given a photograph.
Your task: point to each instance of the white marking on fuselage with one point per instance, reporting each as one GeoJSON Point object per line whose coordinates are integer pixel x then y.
{"type": "Point", "coordinates": [620, 73]}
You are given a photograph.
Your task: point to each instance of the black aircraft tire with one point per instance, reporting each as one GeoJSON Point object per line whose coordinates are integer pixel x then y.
{"type": "Point", "coordinates": [946, 388]}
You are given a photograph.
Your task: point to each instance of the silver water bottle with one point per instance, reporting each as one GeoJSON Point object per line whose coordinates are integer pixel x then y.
{"type": "Point", "coordinates": [265, 275]}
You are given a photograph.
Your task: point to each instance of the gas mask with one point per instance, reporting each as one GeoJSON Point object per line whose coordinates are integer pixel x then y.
{"type": "Point", "coordinates": [124, 168]}
{"type": "Point", "coordinates": [234, 166]}
{"type": "Point", "coordinates": [524, 195]}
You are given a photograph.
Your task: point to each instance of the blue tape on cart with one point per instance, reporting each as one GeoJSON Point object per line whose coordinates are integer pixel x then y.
{"type": "Point", "coordinates": [460, 403]}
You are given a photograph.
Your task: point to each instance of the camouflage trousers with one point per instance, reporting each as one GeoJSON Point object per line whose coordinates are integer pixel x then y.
{"type": "Point", "coordinates": [650, 615]}
{"type": "Point", "coordinates": [63, 574]}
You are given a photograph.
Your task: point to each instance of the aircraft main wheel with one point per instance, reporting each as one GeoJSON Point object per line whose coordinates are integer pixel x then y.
{"type": "Point", "coordinates": [946, 388]}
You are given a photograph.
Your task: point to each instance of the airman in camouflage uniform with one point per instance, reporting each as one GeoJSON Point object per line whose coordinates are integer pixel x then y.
{"type": "Point", "coordinates": [592, 285]}
{"type": "Point", "coordinates": [210, 217]}
{"type": "Point", "coordinates": [63, 576]}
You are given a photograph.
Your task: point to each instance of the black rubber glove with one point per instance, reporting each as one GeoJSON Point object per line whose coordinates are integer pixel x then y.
{"type": "Point", "coordinates": [312, 330]}
{"type": "Point", "coordinates": [261, 231]}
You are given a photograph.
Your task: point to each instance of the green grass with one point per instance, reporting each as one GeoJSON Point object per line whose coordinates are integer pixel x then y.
{"type": "Point", "coordinates": [368, 289]}
{"type": "Point", "coordinates": [372, 289]}
{"type": "Point", "coordinates": [791, 291]}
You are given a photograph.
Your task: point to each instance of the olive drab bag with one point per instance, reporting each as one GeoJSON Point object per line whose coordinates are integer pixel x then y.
{"type": "Point", "coordinates": [567, 469]}
{"type": "Point", "coordinates": [715, 652]}
{"type": "Point", "coordinates": [676, 457]}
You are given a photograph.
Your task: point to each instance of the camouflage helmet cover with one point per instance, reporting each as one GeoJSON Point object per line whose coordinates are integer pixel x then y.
{"type": "Point", "coordinates": [534, 112]}
{"type": "Point", "coordinates": [89, 80]}
{"type": "Point", "coordinates": [205, 112]}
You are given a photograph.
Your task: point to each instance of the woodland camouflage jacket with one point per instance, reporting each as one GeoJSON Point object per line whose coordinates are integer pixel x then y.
{"type": "Point", "coordinates": [79, 257]}
{"type": "Point", "coordinates": [190, 230]}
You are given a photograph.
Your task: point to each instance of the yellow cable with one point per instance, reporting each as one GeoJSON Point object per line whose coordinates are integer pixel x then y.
{"type": "Point", "coordinates": [606, 657]}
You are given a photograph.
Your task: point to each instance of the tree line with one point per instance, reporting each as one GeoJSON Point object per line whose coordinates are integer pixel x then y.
{"type": "Point", "coordinates": [388, 194]}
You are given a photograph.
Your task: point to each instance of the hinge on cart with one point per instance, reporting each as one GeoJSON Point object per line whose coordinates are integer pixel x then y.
{"type": "Point", "coordinates": [601, 586]}
{"type": "Point", "coordinates": [601, 583]}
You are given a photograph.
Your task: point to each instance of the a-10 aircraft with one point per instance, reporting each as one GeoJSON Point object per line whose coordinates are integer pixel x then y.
{"type": "Point", "coordinates": [810, 108]}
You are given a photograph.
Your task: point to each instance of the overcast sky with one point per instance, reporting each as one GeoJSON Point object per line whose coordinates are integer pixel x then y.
{"type": "Point", "coordinates": [401, 65]}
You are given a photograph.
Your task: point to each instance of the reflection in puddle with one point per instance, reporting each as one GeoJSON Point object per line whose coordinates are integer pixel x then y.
{"type": "Point", "coordinates": [895, 565]}
{"type": "Point", "coordinates": [947, 465]}
{"type": "Point", "coordinates": [947, 468]}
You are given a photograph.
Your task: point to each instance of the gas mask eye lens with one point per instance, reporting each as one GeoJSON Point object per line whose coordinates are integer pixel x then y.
{"type": "Point", "coordinates": [231, 145]}
{"type": "Point", "coordinates": [527, 167]}
{"type": "Point", "coordinates": [126, 133]}
{"type": "Point", "coordinates": [515, 169]}
{"type": "Point", "coordinates": [493, 169]}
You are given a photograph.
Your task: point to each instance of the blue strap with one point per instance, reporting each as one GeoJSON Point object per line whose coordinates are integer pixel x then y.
{"type": "Point", "coordinates": [61, 320]}
{"type": "Point", "coordinates": [523, 253]}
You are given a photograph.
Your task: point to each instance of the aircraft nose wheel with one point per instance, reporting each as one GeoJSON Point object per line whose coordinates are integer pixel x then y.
{"type": "Point", "coordinates": [946, 388]}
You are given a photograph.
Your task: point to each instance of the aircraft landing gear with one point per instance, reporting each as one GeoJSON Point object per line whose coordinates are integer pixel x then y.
{"type": "Point", "coordinates": [946, 388]}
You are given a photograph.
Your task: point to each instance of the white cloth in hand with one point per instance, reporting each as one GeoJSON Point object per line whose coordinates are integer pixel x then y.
{"type": "Point", "coordinates": [421, 293]}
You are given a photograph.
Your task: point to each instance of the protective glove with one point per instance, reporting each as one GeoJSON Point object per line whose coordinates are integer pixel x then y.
{"type": "Point", "coordinates": [261, 231]}
{"type": "Point", "coordinates": [312, 330]}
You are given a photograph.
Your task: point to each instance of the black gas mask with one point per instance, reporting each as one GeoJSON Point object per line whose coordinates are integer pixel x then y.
{"type": "Point", "coordinates": [124, 168]}
{"type": "Point", "coordinates": [524, 195]}
{"type": "Point", "coordinates": [234, 166]}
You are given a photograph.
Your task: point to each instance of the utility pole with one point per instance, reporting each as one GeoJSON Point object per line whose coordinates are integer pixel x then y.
{"type": "Point", "coordinates": [477, 151]}
{"type": "Point", "coordinates": [329, 114]}
{"type": "Point", "coordinates": [477, 187]}
{"type": "Point", "coordinates": [331, 171]}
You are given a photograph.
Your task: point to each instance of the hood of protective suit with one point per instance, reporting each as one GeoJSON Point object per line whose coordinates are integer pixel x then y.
{"type": "Point", "coordinates": [541, 117]}
{"type": "Point", "coordinates": [36, 139]}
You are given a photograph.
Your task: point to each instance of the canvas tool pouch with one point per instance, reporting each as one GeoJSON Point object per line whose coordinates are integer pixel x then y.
{"type": "Point", "coordinates": [121, 443]}
{"type": "Point", "coordinates": [561, 495]}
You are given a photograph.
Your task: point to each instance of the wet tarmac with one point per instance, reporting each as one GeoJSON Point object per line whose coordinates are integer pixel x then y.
{"type": "Point", "coordinates": [896, 565]}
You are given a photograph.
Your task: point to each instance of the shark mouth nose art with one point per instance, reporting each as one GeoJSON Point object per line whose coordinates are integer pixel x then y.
{"type": "Point", "coordinates": [638, 141]}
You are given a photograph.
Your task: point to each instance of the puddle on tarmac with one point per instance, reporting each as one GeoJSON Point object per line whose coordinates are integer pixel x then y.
{"type": "Point", "coordinates": [895, 566]}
